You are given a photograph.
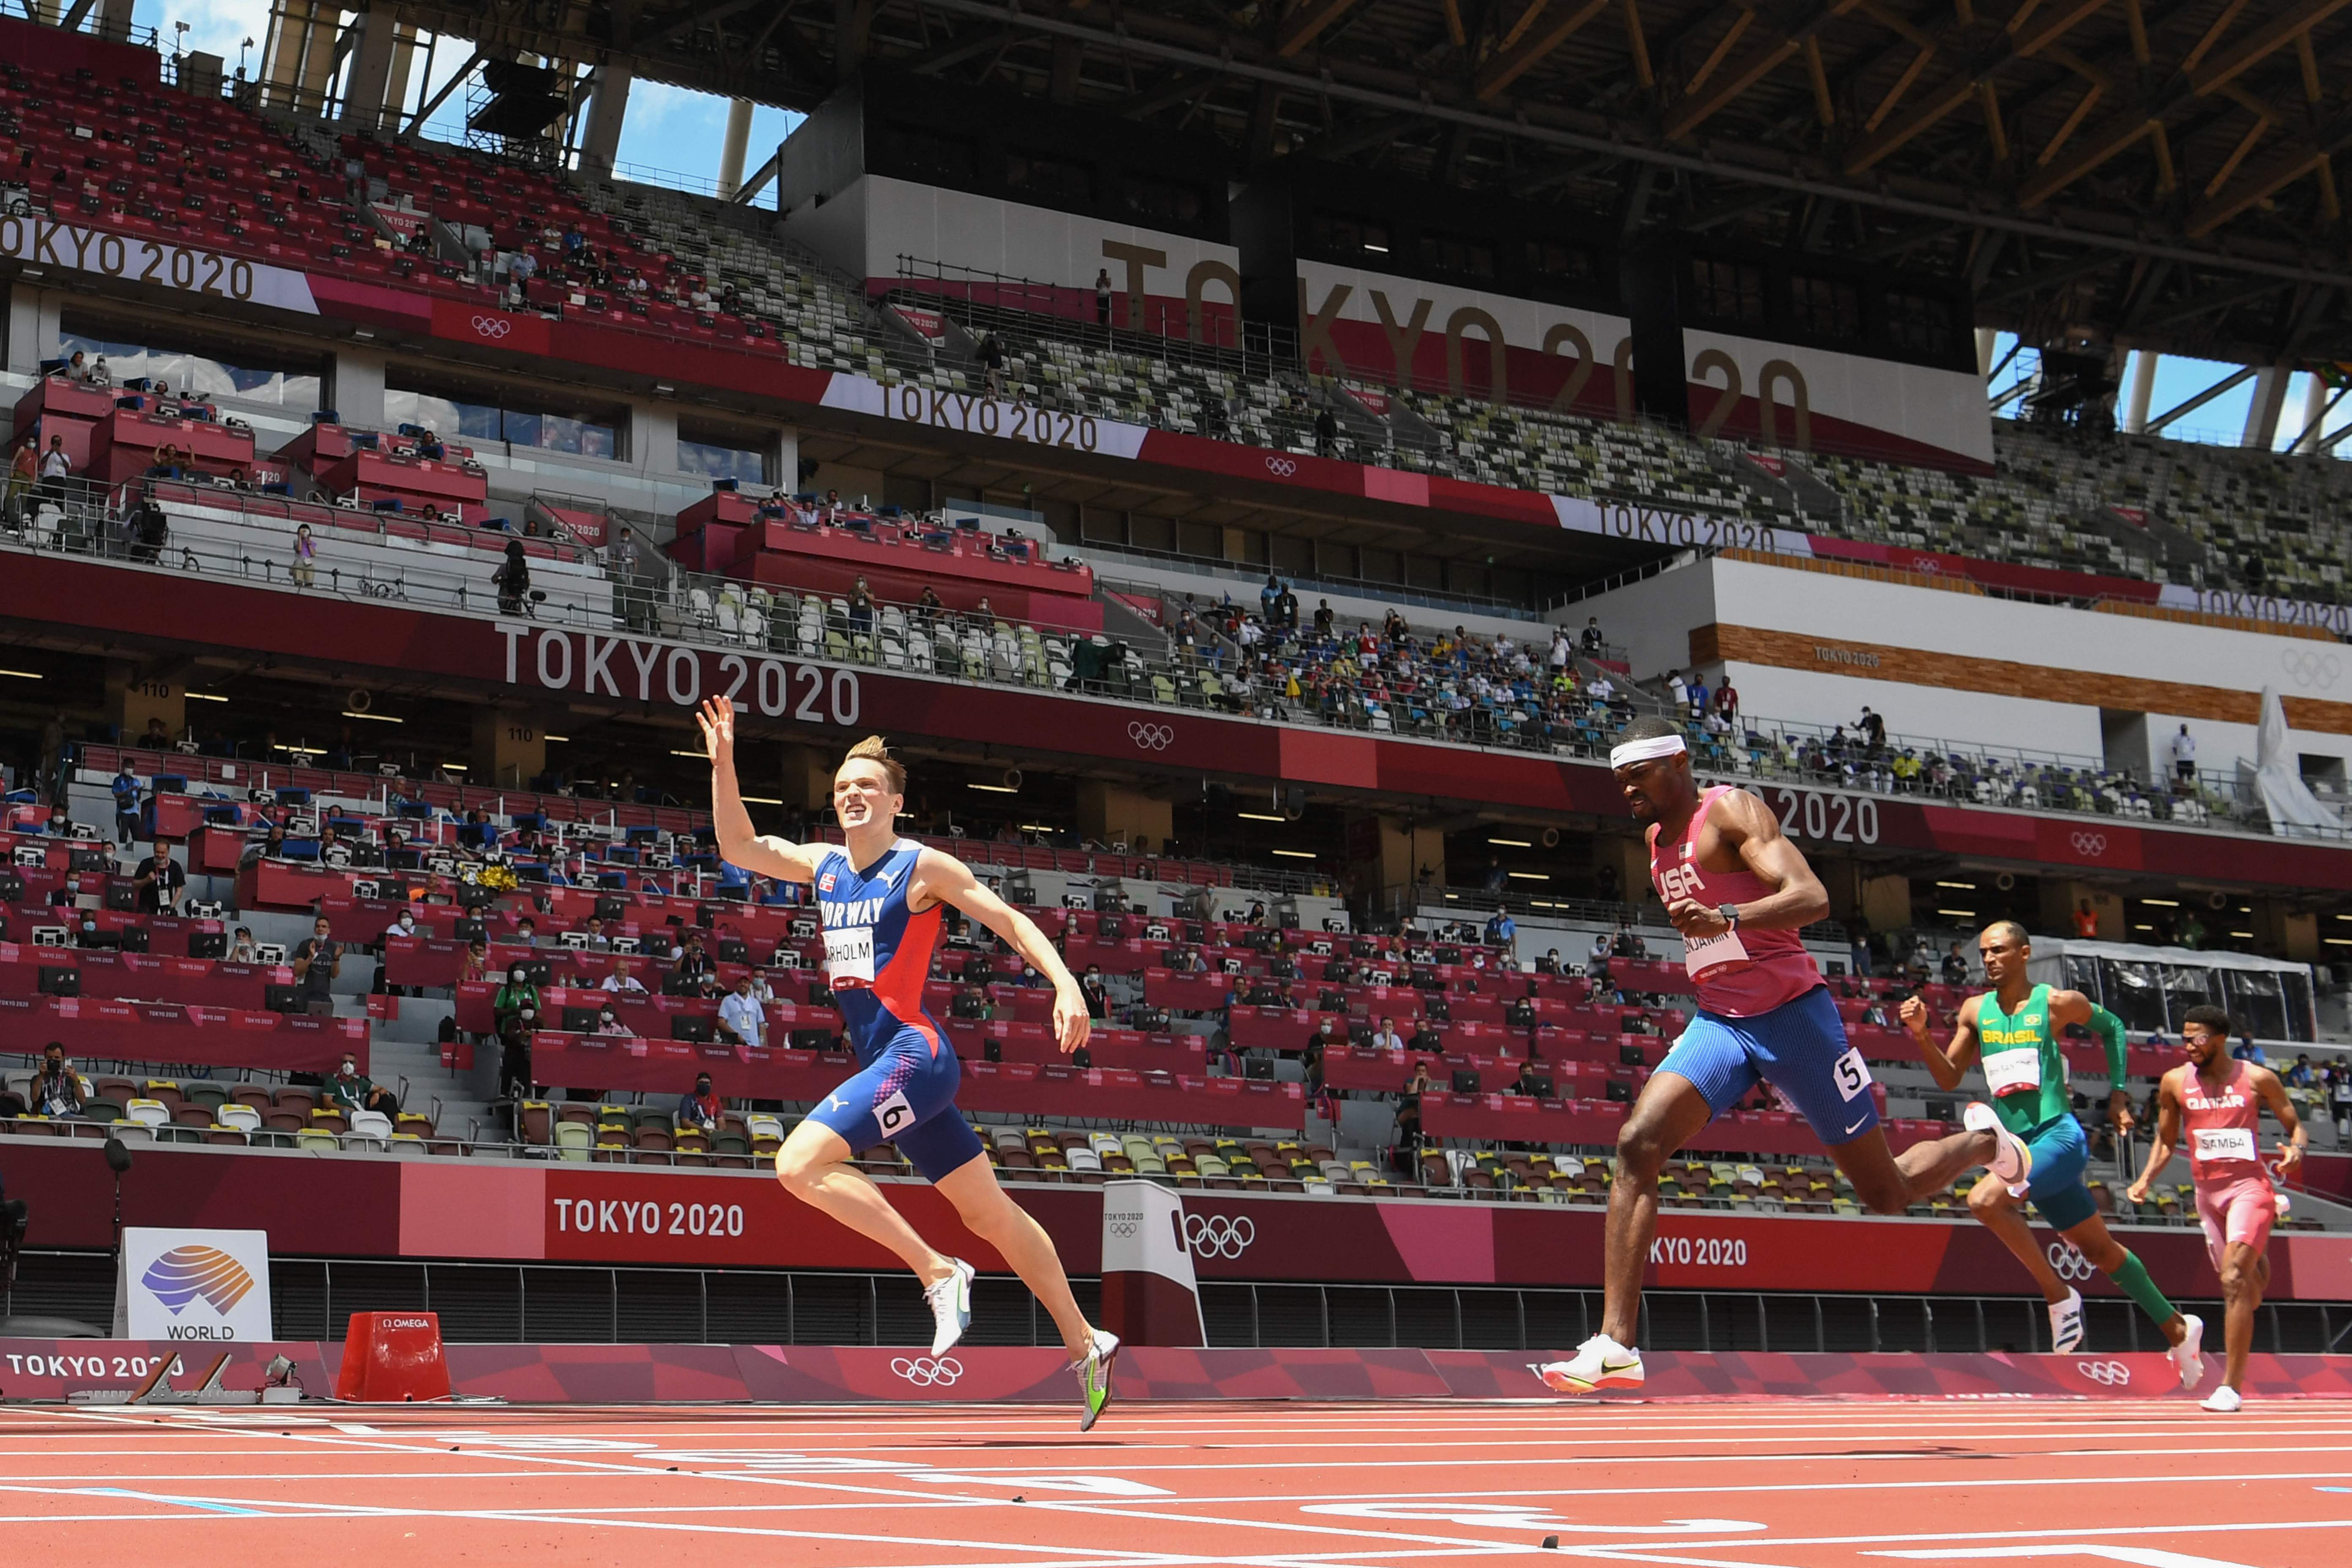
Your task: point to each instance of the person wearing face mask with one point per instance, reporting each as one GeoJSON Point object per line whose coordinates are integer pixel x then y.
{"type": "Point", "coordinates": [608, 1021]}
{"type": "Point", "coordinates": [516, 1011]}
{"type": "Point", "coordinates": [702, 1108]}
{"type": "Point", "coordinates": [512, 998]}
{"type": "Point", "coordinates": [354, 1090]}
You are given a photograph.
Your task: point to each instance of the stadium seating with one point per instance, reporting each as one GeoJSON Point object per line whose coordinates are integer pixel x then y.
{"type": "Point", "coordinates": [415, 214]}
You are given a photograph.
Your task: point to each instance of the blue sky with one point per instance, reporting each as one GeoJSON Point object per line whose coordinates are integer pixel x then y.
{"type": "Point", "coordinates": [669, 130]}
{"type": "Point", "coordinates": [2222, 421]}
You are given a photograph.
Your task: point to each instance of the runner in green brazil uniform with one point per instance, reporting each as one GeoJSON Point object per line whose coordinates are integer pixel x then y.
{"type": "Point", "coordinates": [2014, 1030]}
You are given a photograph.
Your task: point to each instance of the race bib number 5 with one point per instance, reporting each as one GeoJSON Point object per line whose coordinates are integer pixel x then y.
{"type": "Point", "coordinates": [849, 956]}
{"type": "Point", "coordinates": [1852, 1074]}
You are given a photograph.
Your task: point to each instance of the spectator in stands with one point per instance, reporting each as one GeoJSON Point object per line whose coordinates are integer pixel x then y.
{"type": "Point", "coordinates": [2339, 1097]}
{"type": "Point", "coordinates": [740, 1019]}
{"type": "Point", "coordinates": [510, 999]}
{"type": "Point", "coordinates": [1501, 929]}
{"type": "Point", "coordinates": [593, 936]}
{"type": "Point", "coordinates": [525, 931]}
{"type": "Point", "coordinates": [608, 1020]}
{"type": "Point", "coordinates": [158, 881]}
{"type": "Point", "coordinates": [402, 924]}
{"type": "Point", "coordinates": [1408, 1111]}
{"type": "Point", "coordinates": [992, 359]}
{"type": "Point", "coordinates": [305, 569]}
{"type": "Point", "coordinates": [2191, 930]}
{"type": "Point", "coordinates": [1090, 984]}
{"type": "Point", "coordinates": [1102, 297]}
{"type": "Point", "coordinates": [125, 789]}
{"type": "Point", "coordinates": [2087, 920]}
{"type": "Point", "coordinates": [2299, 1076]}
{"type": "Point", "coordinates": [2184, 758]}
{"type": "Point", "coordinates": [1326, 433]}
{"type": "Point", "coordinates": [57, 1088]}
{"type": "Point", "coordinates": [475, 964]}
{"type": "Point", "coordinates": [1956, 966]}
{"type": "Point", "coordinates": [1497, 878]}
{"type": "Point", "coordinates": [1425, 1038]}
{"type": "Point", "coordinates": [1326, 1037]}
{"type": "Point", "coordinates": [241, 948]}
{"type": "Point", "coordinates": [56, 469]}
{"type": "Point", "coordinates": [1727, 703]}
{"type": "Point", "coordinates": [861, 610]}
{"type": "Point", "coordinates": [353, 1090]}
{"type": "Point", "coordinates": [693, 964]}
{"type": "Point", "coordinates": [1590, 643]}
{"type": "Point", "coordinates": [702, 1108]}
{"type": "Point", "coordinates": [513, 580]}
{"type": "Point", "coordinates": [2245, 1050]}
{"type": "Point", "coordinates": [1385, 1038]}
{"type": "Point", "coordinates": [24, 475]}
{"type": "Point", "coordinates": [1873, 730]}
{"type": "Point", "coordinates": [620, 979]}
{"type": "Point", "coordinates": [1549, 963]}
{"type": "Point", "coordinates": [75, 369]}
{"type": "Point", "coordinates": [317, 962]}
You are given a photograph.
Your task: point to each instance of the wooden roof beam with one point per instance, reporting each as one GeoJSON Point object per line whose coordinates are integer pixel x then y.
{"type": "Point", "coordinates": [1307, 21]}
{"type": "Point", "coordinates": [1776, 44]}
{"type": "Point", "coordinates": [1516, 59]}
{"type": "Point", "coordinates": [2262, 42]}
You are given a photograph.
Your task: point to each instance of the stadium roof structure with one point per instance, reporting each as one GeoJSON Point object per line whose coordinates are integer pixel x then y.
{"type": "Point", "coordinates": [2122, 171]}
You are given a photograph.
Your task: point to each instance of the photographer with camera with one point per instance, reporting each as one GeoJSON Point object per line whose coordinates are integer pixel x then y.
{"type": "Point", "coordinates": [57, 1088]}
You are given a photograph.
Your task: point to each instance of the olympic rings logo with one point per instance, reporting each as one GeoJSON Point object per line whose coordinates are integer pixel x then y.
{"type": "Point", "coordinates": [2090, 843]}
{"type": "Point", "coordinates": [925, 1373]}
{"type": "Point", "coordinates": [493, 327]}
{"type": "Point", "coordinates": [1151, 737]}
{"type": "Point", "coordinates": [2105, 1373]}
{"type": "Point", "coordinates": [1283, 467]}
{"type": "Point", "coordinates": [1214, 1235]}
{"type": "Point", "coordinates": [2310, 669]}
{"type": "Point", "coordinates": [2066, 1261]}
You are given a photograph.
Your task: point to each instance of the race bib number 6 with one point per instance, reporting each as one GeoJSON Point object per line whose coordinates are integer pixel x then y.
{"type": "Point", "coordinates": [849, 956]}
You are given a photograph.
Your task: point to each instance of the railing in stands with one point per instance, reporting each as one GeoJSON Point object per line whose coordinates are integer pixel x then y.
{"type": "Point", "coordinates": [673, 610]}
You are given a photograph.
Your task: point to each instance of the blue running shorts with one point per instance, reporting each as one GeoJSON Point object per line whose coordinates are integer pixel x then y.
{"type": "Point", "coordinates": [2061, 1155]}
{"type": "Point", "coordinates": [1798, 1047]}
{"type": "Point", "coordinates": [905, 1095]}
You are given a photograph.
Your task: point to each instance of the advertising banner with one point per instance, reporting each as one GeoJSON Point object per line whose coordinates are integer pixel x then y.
{"type": "Point", "coordinates": [191, 1285]}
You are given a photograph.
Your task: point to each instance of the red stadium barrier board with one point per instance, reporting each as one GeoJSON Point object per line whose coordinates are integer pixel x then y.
{"type": "Point", "coordinates": [530, 1211]}
{"type": "Point", "coordinates": [52, 1370]}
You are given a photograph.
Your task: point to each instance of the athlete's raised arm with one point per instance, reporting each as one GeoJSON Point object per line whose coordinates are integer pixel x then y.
{"type": "Point", "coordinates": [948, 880]}
{"type": "Point", "coordinates": [737, 844]}
{"type": "Point", "coordinates": [1946, 1064]}
{"type": "Point", "coordinates": [2272, 1094]}
{"type": "Point", "coordinates": [2168, 1133]}
{"type": "Point", "coordinates": [1797, 897]}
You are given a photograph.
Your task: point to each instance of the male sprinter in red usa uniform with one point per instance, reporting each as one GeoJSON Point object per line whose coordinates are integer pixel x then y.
{"type": "Point", "coordinates": [880, 897]}
{"type": "Point", "coordinates": [1738, 892]}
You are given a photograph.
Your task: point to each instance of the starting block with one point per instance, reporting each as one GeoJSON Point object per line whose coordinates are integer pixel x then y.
{"type": "Point", "coordinates": [393, 1358]}
{"type": "Point", "coordinates": [155, 1389]}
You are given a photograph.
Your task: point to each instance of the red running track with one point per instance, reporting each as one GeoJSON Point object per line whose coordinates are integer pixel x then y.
{"type": "Point", "coordinates": [1716, 1484]}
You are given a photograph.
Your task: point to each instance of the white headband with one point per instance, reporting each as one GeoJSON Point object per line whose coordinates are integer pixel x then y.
{"type": "Point", "coordinates": [1626, 752]}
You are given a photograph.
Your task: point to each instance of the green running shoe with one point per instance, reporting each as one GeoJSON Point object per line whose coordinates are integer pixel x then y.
{"type": "Point", "coordinates": [1094, 1376]}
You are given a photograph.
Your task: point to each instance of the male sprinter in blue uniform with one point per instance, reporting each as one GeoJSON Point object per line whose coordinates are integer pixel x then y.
{"type": "Point", "coordinates": [880, 897]}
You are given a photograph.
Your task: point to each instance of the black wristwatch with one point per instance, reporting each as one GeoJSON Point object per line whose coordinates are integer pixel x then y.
{"type": "Point", "coordinates": [1730, 913]}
